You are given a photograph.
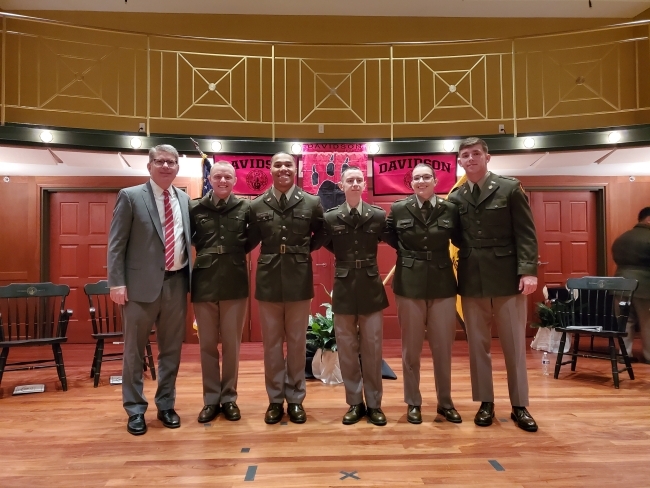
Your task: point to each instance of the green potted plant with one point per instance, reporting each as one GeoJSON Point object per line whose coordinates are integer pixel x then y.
{"type": "Point", "coordinates": [548, 317]}
{"type": "Point", "coordinates": [321, 343]}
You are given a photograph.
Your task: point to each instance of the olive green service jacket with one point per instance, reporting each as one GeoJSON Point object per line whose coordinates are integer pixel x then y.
{"type": "Point", "coordinates": [498, 242]}
{"type": "Point", "coordinates": [220, 239]}
{"type": "Point", "coordinates": [631, 253]}
{"type": "Point", "coordinates": [424, 269]}
{"type": "Point", "coordinates": [358, 289]}
{"type": "Point", "coordinates": [284, 268]}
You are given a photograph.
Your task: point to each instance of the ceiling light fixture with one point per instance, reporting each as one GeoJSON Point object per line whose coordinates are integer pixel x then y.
{"type": "Point", "coordinates": [46, 136]}
{"type": "Point", "coordinates": [448, 146]}
{"type": "Point", "coordinates": [296, 148]}
{"type": "Point", "coordinates": [373, 148]}
{"type": "Point", "coordinates": [614, 137]}
{"type": "Point", "coordinates": [529, 143]}
{"type": "Point", "coordinates": [216, 146]}
{"type": "Point", "coordinates": [136, 142]}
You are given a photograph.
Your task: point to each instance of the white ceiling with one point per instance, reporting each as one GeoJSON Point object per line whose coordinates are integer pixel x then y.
{"type": "Point", "coordinates": [623, 9]}
{"type": "Point", "coordinates": [21, 161]}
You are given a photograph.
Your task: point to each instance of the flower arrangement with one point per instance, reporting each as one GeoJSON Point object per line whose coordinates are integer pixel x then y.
{"type": "Point", "coordinates": [320, 331]}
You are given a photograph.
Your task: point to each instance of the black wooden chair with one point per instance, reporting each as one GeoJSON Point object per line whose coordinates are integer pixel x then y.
{"type": "Point", "coordinates": [34, 314]}
{"type": "Point", "coordinates": [598, 306]}
{"type": "Point", "coordinates": [106, 318]}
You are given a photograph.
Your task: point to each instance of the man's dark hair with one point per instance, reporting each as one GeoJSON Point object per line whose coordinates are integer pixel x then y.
{"type": "Point", "coordinates": [472, 141]}
{"type": "Point", "coordinates": [644, 214]}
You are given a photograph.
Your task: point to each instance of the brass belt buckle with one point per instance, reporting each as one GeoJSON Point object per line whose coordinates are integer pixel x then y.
{"type": "Point", "coordinates": [283, 248]}
{"type": "Point", "coordinates": [219, 249]}
{"type": "Point", "coordinates": [358, 264]}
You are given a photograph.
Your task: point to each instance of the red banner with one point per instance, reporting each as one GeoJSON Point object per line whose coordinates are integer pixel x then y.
{"type": "Point", "coordinates": [391, 175]}
{"type": "Point", "coordinates": [321, 169]}
{"type": "Point", "coordinates": [253, 172]}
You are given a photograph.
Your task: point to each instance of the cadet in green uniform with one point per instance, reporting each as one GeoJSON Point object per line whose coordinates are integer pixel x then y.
{"type": "Point", "coordinates": [420, 228]}
{"type": "Point", "coordinates": [219, 224]}
{"type": "Point", "coordinates": [352, 232]}
{"type": "Point", "coordinates": [631, 253]}
{"type": "Point", "coordinates": [285, 219]}
{"type": "Point", "coordinates": [497, 267]}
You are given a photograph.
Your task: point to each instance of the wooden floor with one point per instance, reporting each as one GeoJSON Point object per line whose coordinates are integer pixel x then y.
{"type": "Point", "coordinates": [590, 433]}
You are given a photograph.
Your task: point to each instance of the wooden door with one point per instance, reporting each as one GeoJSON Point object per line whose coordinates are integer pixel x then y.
{"type": "Point", "coordinates": [79, 225]}
{"type": "Point", "coordinates": [567, 237]}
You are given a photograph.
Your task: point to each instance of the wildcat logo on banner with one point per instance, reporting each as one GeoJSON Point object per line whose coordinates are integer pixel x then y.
{"type": "Point", "coordinates": [391, 175]}
{"type": "Point", "coordinates": [322, 165]}
{"type": "Point", "coordinates": [252, 171]}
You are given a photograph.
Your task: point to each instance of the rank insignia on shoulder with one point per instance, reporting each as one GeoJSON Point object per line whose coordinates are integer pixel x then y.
{"type": "Point", "coordinates": [331, 209]}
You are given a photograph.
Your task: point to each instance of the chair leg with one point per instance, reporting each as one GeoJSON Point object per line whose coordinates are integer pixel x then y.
{"type": "Point", "coordinates": [98, 361]}
{"type": "Point", "coordinates": [574, 357]}
{"type": "Point", "coordinates": [626, 358]}
{"type": "Point", "coordinates": [149, 357]}
{"type": "Point", "coordinates": [560, 353]}
{"type": "Point", "coordinates": [93, 366]}
{"type": "Point", "coordinates": [613, 358]}
{"type": "Point", "coordinates": [3, 361]}
{"type": "Point", "coordinates": [60, 369]}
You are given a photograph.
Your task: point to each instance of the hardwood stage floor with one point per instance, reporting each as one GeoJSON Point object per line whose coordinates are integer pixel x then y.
{"type": "Point", "coordinates": [590, 433]}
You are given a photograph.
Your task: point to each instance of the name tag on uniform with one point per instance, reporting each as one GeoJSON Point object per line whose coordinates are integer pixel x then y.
{"type": "Point", "coordinates": [402, 223]}
{"type": "Point", "coordinates": [338, 228]}
{"type": "Point", "coordinates": [265, 216]}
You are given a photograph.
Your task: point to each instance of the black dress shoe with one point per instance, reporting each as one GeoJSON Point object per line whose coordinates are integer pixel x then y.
{"type": "Point", "coordinates": [169, 418]}
{"type": "Point", "coordinates": [208, 413]}
{"type": "Point", "coordinates": [296, 413]}
{"type": "Point", "coordinates": [525, 421]}
{"type": "Point", "coordinates": [354, 414]}
{"type": "Point", "coordinates": [231, 411]}
{"type": "Point", "coordinates": [485, 414]}
{"type": "Point", "coordinates": [136, 424]}
{"type": "Point", "coordinates": [274, 413]}
{"type": "Point", "coordinates": [413, 414]}
{"type": "Point", "coordinates": [376, 416]}
{"type": "Point", "coordinates": [450, 415]}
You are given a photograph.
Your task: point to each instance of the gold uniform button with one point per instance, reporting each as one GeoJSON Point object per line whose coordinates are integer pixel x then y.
{"type": "Point", "coordinates": [480, 232]}
{"type": "Point", "coordinates": [284, 238]}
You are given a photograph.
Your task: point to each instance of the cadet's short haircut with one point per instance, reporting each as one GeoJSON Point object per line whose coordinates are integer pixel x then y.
{"type": "Point", "coordinates": [472, 141]}
{"type": "Point", "coordinates": [644, 213]}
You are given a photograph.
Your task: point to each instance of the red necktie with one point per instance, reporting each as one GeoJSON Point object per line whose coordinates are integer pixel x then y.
{"type": "Point", "coordinates": [169, 232]}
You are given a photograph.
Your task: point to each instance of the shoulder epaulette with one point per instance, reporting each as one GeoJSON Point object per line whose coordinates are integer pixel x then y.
{"type": "Point", "coordinates": [453, 190]}
{"type": "Point", "coordinates": [331, 209]}
{"type": "Point", "coordinates": [506, 177]}
{"type": "Point", "coordinates": [377, 207]}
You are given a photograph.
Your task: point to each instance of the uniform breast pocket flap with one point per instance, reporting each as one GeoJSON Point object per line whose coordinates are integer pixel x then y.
{"type": "Point", "coordinates": [372, 270]}
{"type": "Point", "coordinates": [462, 209]}
{"type": "Point", "coordinates": [203, 261]}
{"type": "Point", "coordinates": [301, 213]}
{"type": "Point", "coordinates": [445, 223]}
{"type": "Point", "coordinates": [338, 230]}
{"type": "Point", "coordinates": [264, 216]}
{"type": "Point", "coordinates": [503, 251]}
{"type": "Point", "coordinates": [465, 252]}
{"type": "Point", "coordinates": [372, 227]}
{"type": "Point", "coordinates": [341, 272]}
{"type": "Point", "coordinates": [497, 204]}
{"type": "Point", "coordinates": [265, 258]}
{"type": "Point", "coordinates": [407, 262]}
{"type": "Point", "coordinates": [405, 223]}
{"type": "Point", "coordinates": [235, 222]}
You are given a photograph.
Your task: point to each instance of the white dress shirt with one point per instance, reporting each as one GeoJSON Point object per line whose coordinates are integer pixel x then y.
{"type": "Point", "coordinates": [432, 200]}
{"type": "Point", "coordinates": [358, 207]}
{"type": "Point", "coordinates": [289, 193]}
{"type": "Point", "coordinates": [180, 252]}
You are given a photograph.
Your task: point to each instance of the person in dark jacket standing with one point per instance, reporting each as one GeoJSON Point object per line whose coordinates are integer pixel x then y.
{"type": "Point", "coordinates": [497, 268]}
{"type": "Point", "coordinates": [219, 224]}
{"type": "Point", "coordinates": [631, 253]}
{"type": "Point", "coordinates": [420, 228]}
{"type": "Point", "coordinates": [352, 232]}
{"type": "Point", "coordinates": [285, 219]}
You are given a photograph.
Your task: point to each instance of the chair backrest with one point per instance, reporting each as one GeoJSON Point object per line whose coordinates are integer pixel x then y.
{"type": "Point", "coordinates": [558, 293]}
{"type": "Point", "coordinates": [105, 314]}
{"type": "Point", "coordinates": [30, 311]}
{"type": "Point", "coordinates": [600, 302]}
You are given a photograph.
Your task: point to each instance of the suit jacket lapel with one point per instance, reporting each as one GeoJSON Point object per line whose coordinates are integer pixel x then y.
{"type": "Point", "coordinates": [489, 188]}
{"type": "Point", "coordinates": [437, 210]}
{"type": "Point", "coordinates": [295, 199]}
{"type": "Point", "coordinates": [150, 202]}
{"type": "Point", "coordinates": [413, 207]}
{"type": "Point", "coordinates": [466, 194]}
{"type": "Point", "coordinates": [366, 213]}
{"type": "Point", "coordinates": [343, 214]}
{"type": "Point", "coordinates": [233, 201]}
{"type": "Point", "coordinates": [269, 199]}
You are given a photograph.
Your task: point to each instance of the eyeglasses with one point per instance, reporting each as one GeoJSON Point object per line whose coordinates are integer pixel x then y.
{"type": "Point", "coordinates": [159, 163]}
{"type": "Point", "coordinates": [426, 178]}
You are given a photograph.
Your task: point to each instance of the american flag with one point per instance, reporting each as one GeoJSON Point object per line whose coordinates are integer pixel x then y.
{"type": "Point", "coordinates": [206, 176]}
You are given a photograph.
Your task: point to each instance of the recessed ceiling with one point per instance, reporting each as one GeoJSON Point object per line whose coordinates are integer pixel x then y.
{"type": "Point", "coordinates": [622, 9]}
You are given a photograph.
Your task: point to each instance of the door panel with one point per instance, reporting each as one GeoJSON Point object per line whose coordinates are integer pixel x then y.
{"type": "Point", "coordinates": [79, 225]}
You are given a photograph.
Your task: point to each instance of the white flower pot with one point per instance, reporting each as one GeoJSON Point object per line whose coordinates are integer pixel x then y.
{"type": "Point", "coordinates": [326, 368]}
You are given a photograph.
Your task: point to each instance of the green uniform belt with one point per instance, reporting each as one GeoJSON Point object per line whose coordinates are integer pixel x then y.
{"type": "Point", "coordinates": [222, 250]}
{"type": "Point", "coordinates": [284, 249]}
{"type": "Point", "coordinates": [424, 255]}
{"type": "Point", "coordinates": [487, 242]}
{"type": "Point", "coordinates": [359, 263]}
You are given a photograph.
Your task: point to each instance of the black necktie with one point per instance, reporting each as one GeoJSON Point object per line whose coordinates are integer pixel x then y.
{"type": "Point", "coordinates": [283, 201]}
{"type": "Point", "coordinates": [426, 210]}
{"type": "Point", "coordinates": [221, 205]}
{"type": "Point", "coordinates": [354, 213]}
{"type": "Point", "coordinates": [476, 192]}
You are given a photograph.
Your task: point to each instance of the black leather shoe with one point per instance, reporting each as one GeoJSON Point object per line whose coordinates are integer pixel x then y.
{"type": "Point", "coordinates": [485, 414]}
{"type": "Point", "coordinates": [208, 413]}
{"type": "Point", "coordinates": [376, 416]}
{"type": "Point", "coordinates": [354, 414]}
{"type": "Point", "coordinates": [169, 418]}
{"type": "Point", "coordinates": [450, 415]}
{"type": "Point", "coordinates": [136, 424]}
{"type": "Point", "coordinates": [413, 414]}
{"type": "Point", "coordinates": [231, 411]}
{"type": "Point", "coordinates": [274, 413]}
{"type": "Point", "coordinates": [296, 413]}
{"type": "Point", "coordinates": [525, 421]}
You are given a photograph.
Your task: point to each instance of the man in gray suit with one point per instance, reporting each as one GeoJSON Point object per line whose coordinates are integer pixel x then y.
{"type": "Point", "coordinates": [148, 273]}
{"type": "Point", "coordinates": [631, 253]}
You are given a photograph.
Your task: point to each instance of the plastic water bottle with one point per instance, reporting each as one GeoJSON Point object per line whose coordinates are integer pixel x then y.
{"type": "Point", "coordinates": [545, 364]}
